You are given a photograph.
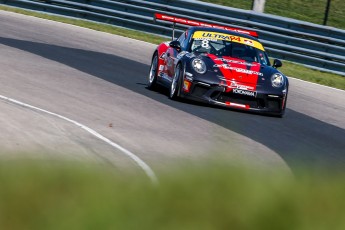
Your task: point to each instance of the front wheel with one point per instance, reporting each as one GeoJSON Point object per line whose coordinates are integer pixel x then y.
{"type": "Point", "coordinates": [175, 86]}
{"type": "Point", "coordinates": [152, 79]}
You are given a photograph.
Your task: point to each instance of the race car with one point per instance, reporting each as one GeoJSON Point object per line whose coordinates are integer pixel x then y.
{"type": "Point", "coordinates": [219, 65]}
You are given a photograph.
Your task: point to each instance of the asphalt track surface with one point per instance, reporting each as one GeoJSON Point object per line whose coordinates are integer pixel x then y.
{"type": "Point", "coordinates": [99, 80]}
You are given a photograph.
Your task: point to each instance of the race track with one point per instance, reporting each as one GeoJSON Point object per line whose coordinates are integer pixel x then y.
{"type": "Point", "coordinates": [99, 80]}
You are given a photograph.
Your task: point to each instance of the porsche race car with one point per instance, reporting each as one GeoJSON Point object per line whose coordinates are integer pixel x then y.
{"type": "Point", "coordinates": [219, 65]}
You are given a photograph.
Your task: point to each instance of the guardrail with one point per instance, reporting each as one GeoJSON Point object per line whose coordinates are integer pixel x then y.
{"type": "Point", "coordinates": [317, 46]}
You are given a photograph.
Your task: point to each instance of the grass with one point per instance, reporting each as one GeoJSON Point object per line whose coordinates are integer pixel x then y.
{"type": "Point", "coordinates": [307, 74]}
{"type": "Point", "coordinates": [48, 195]}
{"type": "Point", "coordinates": [241, 4]}
{"type": "Point", "coordinates": [297, 9]}
{"type": "Point", "coordinates": [290, 69]}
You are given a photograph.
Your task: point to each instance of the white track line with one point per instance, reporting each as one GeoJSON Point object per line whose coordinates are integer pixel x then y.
{"type": "Point", "coordinates": [135, 158]}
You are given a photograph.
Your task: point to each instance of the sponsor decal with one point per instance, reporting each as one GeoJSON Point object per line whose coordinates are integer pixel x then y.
{"type": "Point", "coordinates": [207, 35]}
{"type": "Point", "coordinates": [186, 86]}
{"type": "Point", "coordinates": [246, 71]}
{"type": "Point", "coordinates": [248, 42]}
{"type": "Point", "coordinates": [245, 87]}
{"type": "Point", "coordinates": [244, 92]}
{"type": "Point", "coordinates": [238, 70]}
{"type": "Point", "coordinates": [218, 36]}
{"type": "Point", "coordinates": [234, 85]}
{"type": "Point", "coordinates": [234, 61]}
{"type": "Point", "coordinates": [225, 66]}
{"type": "Point", "coordinates": [161, 68]}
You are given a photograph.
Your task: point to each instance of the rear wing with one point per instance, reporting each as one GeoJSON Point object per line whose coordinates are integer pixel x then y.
{"type": "Point", "coordinates": [184, 21]}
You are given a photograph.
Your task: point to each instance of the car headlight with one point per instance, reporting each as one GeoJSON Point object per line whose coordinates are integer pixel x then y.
{"type": "Point", "coordinates": [277, 80]}
{"type": "Point", "coordinates": [199, 66]}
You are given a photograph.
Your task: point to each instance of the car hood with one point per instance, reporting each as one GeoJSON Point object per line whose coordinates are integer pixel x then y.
{"type": "Point", "coordinates": [237, 73]}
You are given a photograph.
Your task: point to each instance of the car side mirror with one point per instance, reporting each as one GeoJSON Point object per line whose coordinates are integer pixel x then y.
{"type": "Point", "coordinates": [176, 45]}
{"type": "Point", "coordinates": [277, 63]}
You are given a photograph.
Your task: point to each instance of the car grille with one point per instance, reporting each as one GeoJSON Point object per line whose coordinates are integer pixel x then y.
{"type": "Point", "coordinates": [241, 99]}
{"type": "Point", "coordinates": [274, 104]}
{"type": "Point", "coordinates": [263, 102]}
{"type": "Point", "coordinates": [199, 90]}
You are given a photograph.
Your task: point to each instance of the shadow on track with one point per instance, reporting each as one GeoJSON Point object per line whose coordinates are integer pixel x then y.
{"type": "Point", "coordinates": [299, 139]}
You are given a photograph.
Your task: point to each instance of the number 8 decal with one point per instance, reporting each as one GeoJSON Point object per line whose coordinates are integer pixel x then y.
{"type": "Point", "coordinates": [205, 43]}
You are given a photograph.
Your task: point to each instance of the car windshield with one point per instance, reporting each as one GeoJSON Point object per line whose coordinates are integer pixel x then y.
{"type": "Point", "coordinates": [227, 46]}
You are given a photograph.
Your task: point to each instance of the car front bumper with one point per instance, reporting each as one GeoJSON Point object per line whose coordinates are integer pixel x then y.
{"type": "Point", "coordinates": [263, 101]}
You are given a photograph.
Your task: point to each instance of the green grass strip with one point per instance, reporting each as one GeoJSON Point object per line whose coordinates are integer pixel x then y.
{"type": "Point", "coordinates": [290, 69]}
{"type": "Point", "coordinates": [311, 75]}
{"type": "Point", "coordinates": [51, 195]}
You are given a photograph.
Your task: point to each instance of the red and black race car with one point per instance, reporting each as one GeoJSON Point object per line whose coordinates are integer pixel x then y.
{"type": "Point", "coordinates": [219, 65]}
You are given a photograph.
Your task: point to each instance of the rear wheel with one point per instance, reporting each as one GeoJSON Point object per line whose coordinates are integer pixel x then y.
{"type": "Point", "coordinates": [152, 79]}
{"type": "Point", "coordinates": [175, 86]}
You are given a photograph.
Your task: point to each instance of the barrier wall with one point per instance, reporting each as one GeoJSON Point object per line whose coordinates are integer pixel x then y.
{"type": "Point", "coordinates": [320, 47]}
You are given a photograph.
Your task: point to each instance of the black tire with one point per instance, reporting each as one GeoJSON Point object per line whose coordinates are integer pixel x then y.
{"type": "Point", "coordinates": [175, 87]}
{"type": "Point", "coordinates": [152, 78]}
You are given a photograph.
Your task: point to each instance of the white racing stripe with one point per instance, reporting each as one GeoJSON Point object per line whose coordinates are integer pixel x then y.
{"type": "Point", "coordinates": [149, 172]}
